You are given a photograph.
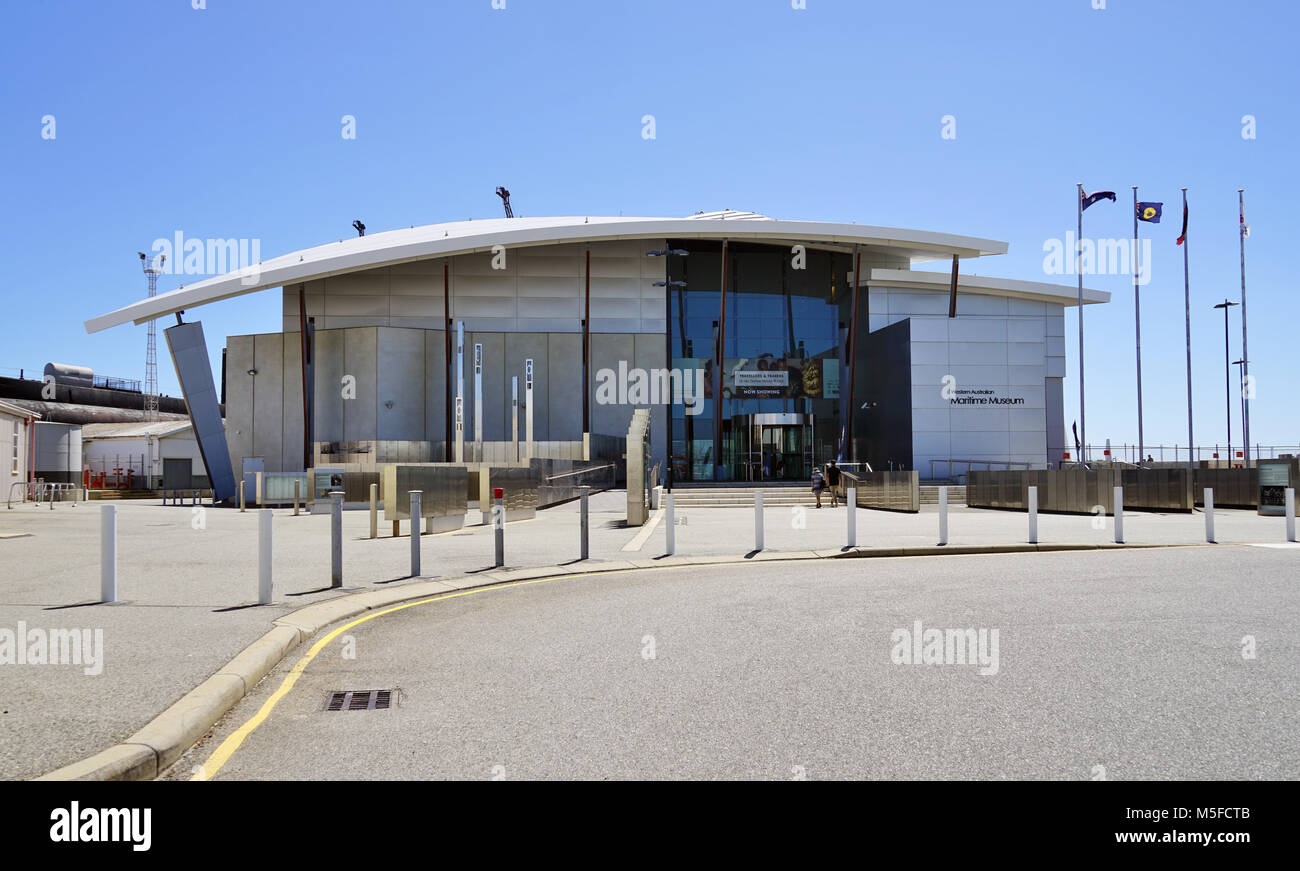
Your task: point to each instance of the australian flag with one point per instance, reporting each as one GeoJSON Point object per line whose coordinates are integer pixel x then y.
{"type": "Point", "coordinates": [1089, 199]}
{"type": "Point", "coordinates": [1149, 212]}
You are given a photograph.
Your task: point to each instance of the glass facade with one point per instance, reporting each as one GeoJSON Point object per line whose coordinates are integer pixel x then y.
{"type": "Point", "coordinates": [776, 405]}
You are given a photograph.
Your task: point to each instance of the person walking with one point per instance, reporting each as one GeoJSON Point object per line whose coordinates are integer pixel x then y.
{"type": "Point", "coordinates": [833, 478]}
{"type": "Point", "coordinates": [818, 485]}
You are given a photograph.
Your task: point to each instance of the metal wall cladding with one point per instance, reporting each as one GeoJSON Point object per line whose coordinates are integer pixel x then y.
{"type": "Point", "coordinates": [1080, 491]}
{"type": "Point", "coordinates": [1238, 487]}
{"type": "Point", "coordinates": [442, 491]}
{"type": "Point", "coordinates": [520, 484]}
{"type": "Point", "coordinates": [888, 490]}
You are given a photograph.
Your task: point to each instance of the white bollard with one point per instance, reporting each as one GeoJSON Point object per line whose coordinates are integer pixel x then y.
{"type": "Point", "coordinates": [1119, 515]}
{"type": "Point", "coordinates": [264, 557]}
{"type": "Point", "coordinates": [107, 554]}
{"type": "Point", "coordinates": [670, 524]}
{"type": "Point", "coordinates": [758, 520]}
{"type": "Point", "coordinates": [1033, 515]}
{"type": "Point", "coordinates": [1209, 515]}
{"type": "Point", "coordinates": [943, 515]}
{"type": "Point", "coordinates": [336, 539]}
{"type": "Point", "coordinates": [417, 496]}
{"type": "Point", "coordinates": [1290, 514]}
{"type": "Point", "coordinates": [851, 506]}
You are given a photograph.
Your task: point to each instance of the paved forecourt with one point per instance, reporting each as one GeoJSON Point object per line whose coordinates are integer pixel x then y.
{"type": "Point", "coordinates": [1113, 664]}
{"type": "Point", "coordinates": [187, 581]}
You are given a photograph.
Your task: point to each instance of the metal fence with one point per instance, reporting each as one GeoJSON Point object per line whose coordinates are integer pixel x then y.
{"type": "Point", "coordinates": [1081, 491]}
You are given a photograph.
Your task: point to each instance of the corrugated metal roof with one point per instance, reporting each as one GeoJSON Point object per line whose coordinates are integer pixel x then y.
{"type": "Point", "coordinates": [157, 429]}
{"type": "Point", "coordinates": [18, 410]}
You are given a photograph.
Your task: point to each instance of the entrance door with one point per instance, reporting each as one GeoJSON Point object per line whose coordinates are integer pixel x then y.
{"type": "Point", "coordinates": [779, 448]}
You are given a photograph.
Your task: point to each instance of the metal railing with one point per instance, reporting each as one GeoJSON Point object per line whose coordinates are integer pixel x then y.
{"type": "Point", "coordinates": [970, 464]}
{"type": "Point", "coordinates": [38, 491]}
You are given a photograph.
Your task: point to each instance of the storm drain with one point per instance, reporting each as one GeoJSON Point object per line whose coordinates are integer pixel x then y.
{"type": "Point", "coordinates": [360, 700]}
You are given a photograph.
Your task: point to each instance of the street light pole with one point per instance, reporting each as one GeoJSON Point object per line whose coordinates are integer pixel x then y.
{"type": "Point", "coordinates": [1227, 374]}
{"type": "Point", "coordinates": [1241, 369]}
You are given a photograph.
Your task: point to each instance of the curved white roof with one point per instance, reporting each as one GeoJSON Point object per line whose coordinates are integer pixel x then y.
{"type": "Point", "coordinates": [464, 237]}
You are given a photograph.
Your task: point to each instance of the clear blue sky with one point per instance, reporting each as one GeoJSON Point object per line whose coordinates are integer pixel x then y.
{"type": "Point", "coordinates": [225, 122]}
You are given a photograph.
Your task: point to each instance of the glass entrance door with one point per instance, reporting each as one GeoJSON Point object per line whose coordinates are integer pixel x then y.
{"type": "Point", "coordinates": [770, 447]}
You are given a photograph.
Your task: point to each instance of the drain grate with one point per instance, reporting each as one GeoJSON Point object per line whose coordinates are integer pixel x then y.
{"type": "Point", "coordinates": [360, 700]}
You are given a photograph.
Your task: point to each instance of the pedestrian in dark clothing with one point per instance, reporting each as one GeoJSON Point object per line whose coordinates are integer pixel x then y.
{"type": "Point", "coordinates": [833, 479]}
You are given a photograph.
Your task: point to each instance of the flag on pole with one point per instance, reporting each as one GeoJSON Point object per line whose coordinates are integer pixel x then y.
{"type": "Point", "coordinates": [1245, 228]}
{"type": "Point", "coordinates": [1089, 199]}
{"type": "Point", "coordinates": [1149, 212]}
{"type": "Point", "coordinates": [1182, 237]}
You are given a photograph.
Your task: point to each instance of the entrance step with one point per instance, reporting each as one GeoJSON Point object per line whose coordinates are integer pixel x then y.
{"type": "Point", "coordinates": [929, 494]}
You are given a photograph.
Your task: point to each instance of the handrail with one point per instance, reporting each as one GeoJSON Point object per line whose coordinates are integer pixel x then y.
{"type": "Point", "coordinates": [970, 463]}
{"type": "Point", "coordinates": [582, 471]}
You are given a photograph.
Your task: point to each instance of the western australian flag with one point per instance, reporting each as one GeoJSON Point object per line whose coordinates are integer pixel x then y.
{"type": "Point", "coordinates": [1149, 212]}
{"type": "Point", "coordinates": [1089, 199]}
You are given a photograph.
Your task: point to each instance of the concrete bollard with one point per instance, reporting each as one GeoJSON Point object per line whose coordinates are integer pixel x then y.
{"type": "Point", "coordinates": [264, 556]}
{"type": "Point", "coordinates": [499, 523]}
{"type": "Point", "coordinates": [758, 520]}
{"type": "Point", "coordinates": [586, 523]}
{"type": "Point", "coordinates": [1290, 514]}
{"type": "Point", "coordinates": [107, 554]}
{"type": "Point", "coordinates": [670, 525]}
{"type": "Point", "coordinates": [1209, 515]}
{"type": "Point", "coordinates": [241, 495]}
{"type": "Point", "coordinates": [1119, 515]}
{"type": "Point", "coordinates": [416, 497]}
{"type": "Point", "coordinates": [1033, 515]}
{"type": "Point", "coordinates": [943, 515]}
{"type": "Point", "coordinates": [295, 497]}
{"type": "Point", "coordinates": [336, 539]}
{"type": "Point", "coordinates": [374, 511]}
{"type": "Point", "coordinates": [851, 506]}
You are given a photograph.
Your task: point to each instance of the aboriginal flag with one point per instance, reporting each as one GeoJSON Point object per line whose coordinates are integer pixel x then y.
{"type": "Point", "coordinates": [1182, 237]}
{"type": "Point", "coordinates": [1089, 199]}
{"type": "Point", "coordinates": [1149, 212]}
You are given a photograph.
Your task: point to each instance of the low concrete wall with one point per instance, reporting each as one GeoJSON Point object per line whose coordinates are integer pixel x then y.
{"type": "Point", "coordinates": [889, 491]}
{"type": "Point", "coordinates": [1232, 487]}
{"type": "Point", "coordinates": [1079, 491]}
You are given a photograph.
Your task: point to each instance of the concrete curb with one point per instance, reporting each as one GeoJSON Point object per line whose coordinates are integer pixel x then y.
{"type": "Point", "coordinates": [156, 746]}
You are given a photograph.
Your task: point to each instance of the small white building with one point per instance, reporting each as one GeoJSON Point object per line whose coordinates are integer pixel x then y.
{"type": "Point", "coordinates": [16, 434]}
{"type": "Point", "coordinates": [162, 454]}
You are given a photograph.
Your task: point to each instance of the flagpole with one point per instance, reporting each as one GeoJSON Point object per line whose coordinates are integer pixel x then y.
{"type": "Point", "coordinates": [1245, 366]}
{"type": "Point", "coordinates": [1187, 308]}
{"type": "Point", "coordinates": [1078, 251]}
{"type": "Point", "coordinates": [1137, 322]}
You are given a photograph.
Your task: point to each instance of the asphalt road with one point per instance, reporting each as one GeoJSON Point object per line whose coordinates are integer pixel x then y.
{"type": "Point", "coordinates": [1117, 665]}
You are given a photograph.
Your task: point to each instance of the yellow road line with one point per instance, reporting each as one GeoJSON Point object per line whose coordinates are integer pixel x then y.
{"type": "Point", "coordinates": [227, 748]}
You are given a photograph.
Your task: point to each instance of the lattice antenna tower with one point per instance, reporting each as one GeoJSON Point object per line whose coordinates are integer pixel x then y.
{"type": "Point", "coordinates": [152, 269]}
